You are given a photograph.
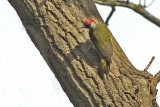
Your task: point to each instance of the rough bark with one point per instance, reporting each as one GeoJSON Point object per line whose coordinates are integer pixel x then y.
{"type": "Point", "coordinates": [53, 27]}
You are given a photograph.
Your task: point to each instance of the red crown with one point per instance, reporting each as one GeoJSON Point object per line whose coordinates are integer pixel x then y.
{"type": "Point", "coordinates": [88, 21]}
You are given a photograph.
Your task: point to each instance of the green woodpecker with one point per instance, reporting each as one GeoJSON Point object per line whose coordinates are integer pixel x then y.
{"type": "Point", "coordinates": [100, 35]}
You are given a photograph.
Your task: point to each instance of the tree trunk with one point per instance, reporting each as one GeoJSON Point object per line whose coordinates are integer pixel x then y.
{"type": "Point", "coordinates": [53, 26]}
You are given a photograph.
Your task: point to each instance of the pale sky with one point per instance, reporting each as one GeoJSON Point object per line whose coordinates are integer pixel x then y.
{"type": "Point", "coordinates": [26, 80]}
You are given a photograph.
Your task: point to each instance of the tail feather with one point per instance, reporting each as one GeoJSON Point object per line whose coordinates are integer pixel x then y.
{"type": "Point", "coordinates": [105, 69]}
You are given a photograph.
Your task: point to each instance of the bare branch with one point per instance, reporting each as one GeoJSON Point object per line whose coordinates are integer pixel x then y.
{"type": "Point", "coordinates": [149, 64]}
{"type": "Point", "coordinates": [137, 8]}
{"type": "Point", "coordinates": [110, 15]}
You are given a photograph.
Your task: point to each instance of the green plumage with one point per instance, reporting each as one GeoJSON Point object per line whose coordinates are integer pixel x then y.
{"type": "Point", "coordinates": [102, 39]}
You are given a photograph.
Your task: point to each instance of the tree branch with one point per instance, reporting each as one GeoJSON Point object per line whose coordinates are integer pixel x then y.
{"type": "Point", "coordinates": [137, 8]}
{"type": "Point", "coordinates": [149, 64]}
{"type": "Point", "coordinates": [110, 15]}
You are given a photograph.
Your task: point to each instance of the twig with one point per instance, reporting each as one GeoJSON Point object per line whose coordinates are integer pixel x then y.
{"type": "Point", "coordinates": [149, 64]}
{"type": "Point", "coordinates": [139, 2]}
{"type": "Point", "coordinates": [144, 3]}
{"type": "Point", "coordinates": [150, 4]}
{"type": "Point", "coordinates": [110, 15]}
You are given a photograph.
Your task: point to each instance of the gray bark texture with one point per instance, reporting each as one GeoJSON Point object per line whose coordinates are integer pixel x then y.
{"type": "Point", "coordinates": [53, 26]}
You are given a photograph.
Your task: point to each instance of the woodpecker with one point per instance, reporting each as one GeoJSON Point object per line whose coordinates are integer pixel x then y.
{"type": "Point", "coordinates": [100, 36]}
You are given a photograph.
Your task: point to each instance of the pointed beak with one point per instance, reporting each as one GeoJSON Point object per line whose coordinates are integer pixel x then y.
{"type": "Point", "coordinates": [83, 26]}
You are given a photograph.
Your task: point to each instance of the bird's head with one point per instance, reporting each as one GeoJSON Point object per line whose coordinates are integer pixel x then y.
{"type": "Point", "coordinates": [90, 23]}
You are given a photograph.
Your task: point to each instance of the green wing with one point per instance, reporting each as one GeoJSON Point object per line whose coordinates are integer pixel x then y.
{"type": "Point", "coordinates": [103, 37]}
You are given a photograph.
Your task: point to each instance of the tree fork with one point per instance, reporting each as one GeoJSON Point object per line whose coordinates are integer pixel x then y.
{"type": "Point", "coordinates": [53, 27]}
